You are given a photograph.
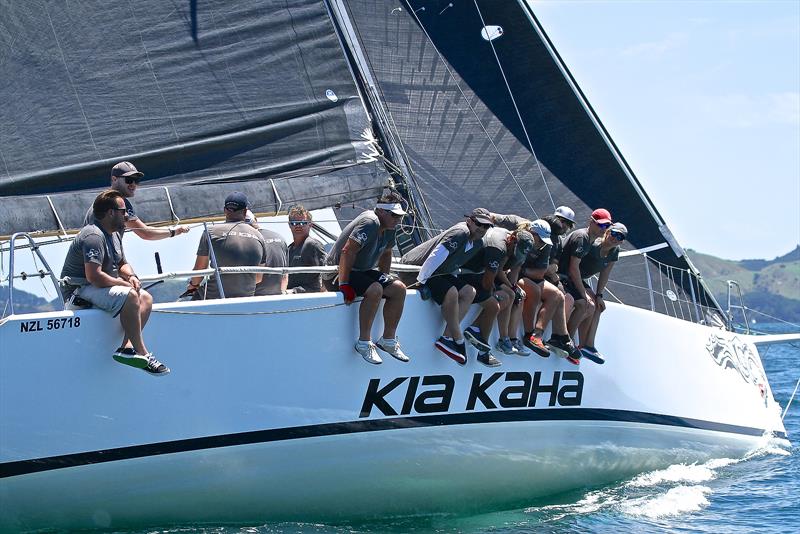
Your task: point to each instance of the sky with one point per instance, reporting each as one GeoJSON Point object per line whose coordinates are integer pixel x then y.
{"type": "Point", "coordinates": [703, 100]}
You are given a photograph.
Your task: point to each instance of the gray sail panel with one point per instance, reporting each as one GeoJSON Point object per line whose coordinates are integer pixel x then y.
{"type": "Point", "coordinates": [194, 93]}
{"type": "Point", "coordinates": [447, 96]}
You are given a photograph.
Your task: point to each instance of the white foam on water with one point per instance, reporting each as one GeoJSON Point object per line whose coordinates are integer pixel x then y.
{"type": "Point", "coordinates": [692, 473]}
{"type": "Point", "coordinates": [676, 501]}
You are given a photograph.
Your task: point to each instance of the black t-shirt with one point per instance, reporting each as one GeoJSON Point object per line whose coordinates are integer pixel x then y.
{"type": "Point", "coordinates": [593, 262]}
{"type": "Point", "coordinates": [310, 253]}
{"type": "Point", "coordinates": [576, 245]}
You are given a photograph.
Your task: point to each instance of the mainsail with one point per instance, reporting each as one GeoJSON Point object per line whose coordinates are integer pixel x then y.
{"type": "Point", "coordinates": [204, 97]}
{"type": "Point", "coordinates": [488, 115]}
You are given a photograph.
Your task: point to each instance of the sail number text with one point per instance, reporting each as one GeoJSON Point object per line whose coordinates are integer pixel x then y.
{"type": "Point", "coordinates": [50, 324]}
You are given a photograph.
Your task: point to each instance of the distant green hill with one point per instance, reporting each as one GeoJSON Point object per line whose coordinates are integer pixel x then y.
{"type": "Point", "coordinates": [769, 286]}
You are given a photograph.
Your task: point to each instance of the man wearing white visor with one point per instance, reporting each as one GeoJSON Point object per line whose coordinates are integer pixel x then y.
{"type": "Point", "coordinates": [363, 254]}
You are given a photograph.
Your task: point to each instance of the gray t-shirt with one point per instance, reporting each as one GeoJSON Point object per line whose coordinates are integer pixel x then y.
{"type": "Point", "coordinates": [364, 230]}
{"type": "Point", "coordinates": [235, 244]}
{"type": "Point", "coordinates": [455, 239]}
{"type": "Point", "coordinates": [575, 244]}
{"type": "Point", "coordinates": [310, 253]}
{"type": "Point", "coordinates": [276, 257]}
{"type": "Point", "coordinates": [492, 257]}
{"type": "Point", "coordinates": [593, 262]}
{"type": "Point", "coordinates": [538, 259]}
{"type": "Point", "coordinates": [89, 217]}
{"type": "Point", "coordinates": [93, 245]}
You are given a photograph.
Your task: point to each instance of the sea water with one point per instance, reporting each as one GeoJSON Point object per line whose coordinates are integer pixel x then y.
{"type": "Point", "coordinates": [760, 492]}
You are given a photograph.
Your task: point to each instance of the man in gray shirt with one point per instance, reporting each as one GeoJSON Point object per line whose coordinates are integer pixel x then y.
{"type": "Point", "coordinates": [96, 271]}
{"type": "Point", "coordinates": [235, 244]}
{"type": "Point", "coordinates": [363, 254]}
{"type": "Point", "coordinates": [441, 257]}
{"type": "Point", "coordinates": [303, 251]}
{"type": "Point", "coordinates": [270, 284]}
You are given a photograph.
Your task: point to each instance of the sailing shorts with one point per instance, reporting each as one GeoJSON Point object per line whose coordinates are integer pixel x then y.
{"type": "Point", "coordinates": [441, 284]}
{"type": "Point", "coordinates": [110, 299]}
{"type": "Point", "coordinates": [476, 281]}
{"type": "Point", "coordinates": [570, 288]}
{"type": "Point", "coordinates": [361, 280]}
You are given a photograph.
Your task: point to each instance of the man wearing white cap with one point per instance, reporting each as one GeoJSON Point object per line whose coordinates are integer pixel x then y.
{"type": "Point", "coordinates": [125, 179]}
{"type": "Point", "coordinates": [363, 254]}
{"type": "Point", "coordinates": [599, 260]}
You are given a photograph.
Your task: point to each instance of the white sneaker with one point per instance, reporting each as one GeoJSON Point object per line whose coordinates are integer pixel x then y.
{"type": "Point", "coordinates": [392, 347]}
{"type": "Point", "coordinates": [367, 351]}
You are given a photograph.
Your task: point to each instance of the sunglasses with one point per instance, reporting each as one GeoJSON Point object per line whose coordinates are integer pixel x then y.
{"type": "Point", "coordinates": [602, 226]}
{"type": "Point", "coordinates": [299, 223]}
{"type": "Point", "coordinates": [485, 226]}
{"type": "Point", "coordinates": [618, 236]}
{"type": "Point", "coordinates": [120, 209]}
{"type": "Point", "coordinates": [132, 180]}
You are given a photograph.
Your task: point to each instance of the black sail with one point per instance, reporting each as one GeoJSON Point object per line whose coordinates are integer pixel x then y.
{"type": "Point", "coordinates": [204, 97]}
{"type": "Point", "coordinates": [445, 87]}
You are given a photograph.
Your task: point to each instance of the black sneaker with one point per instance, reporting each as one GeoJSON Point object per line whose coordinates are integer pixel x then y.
{"type": "Point", "coordinates": [452, 350]}
{"type": "Point", "coordinates": [488, 359]}
{"type": "Point", "coordinates": [155, 367]}
{"type": "Point", "coordinates": [128, 356]}
{"type": "Point", "coordinates": [474, 336]}
{"type": "Point", "coordinates": [534, 343]}
{"type": "Point", "coordinates": [560, 344]}
{"type": "Point", "coordinates": [592, 354]}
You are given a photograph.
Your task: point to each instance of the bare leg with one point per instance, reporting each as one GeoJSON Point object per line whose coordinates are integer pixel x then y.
{"type": "Point", "coordinates": [533, 295]}
{"type": "Point", "coordinates": [576, 317]}
{"type": "Point", "coordinates": [592, 330]}
{"type": "Point", "coordinates": [552, 310]}
{"type": "Point", "coordinates": [465, 297]}
{"type": "Point", "coordinates": [485, 320]}
{"type": "Point", "coordinates": [131, 320]}
{"type": "Point", "coordinates": [583, 327]}
{"type": "Point", "coordinates": [368, 309]}
{"type": "Point", "coordinates": [393, 308]}
{"type": "Point", "coordinates": [505, 312]}
{"type": "Point", "coordinates": [450, 312]}
{"type": "Point", "coordinates": [145, 306]}
{"type": "Point", "coordinates": [516, 318]}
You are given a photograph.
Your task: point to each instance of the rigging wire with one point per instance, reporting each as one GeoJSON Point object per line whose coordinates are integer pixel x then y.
{"type": "Point", "coordinates": [472, 109]}
{"type": "Point", "coordinates": [519, 115]}
{"type": "Point", "coordinates": [786, 410]}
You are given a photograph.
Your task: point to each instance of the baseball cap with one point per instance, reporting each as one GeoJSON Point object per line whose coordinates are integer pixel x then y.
{"type": "Point", "coordinates": [481, 215]}
{"type": "Point", "coordinates": [601, 216]}
{"type": "Point", "coordinates": [620, 228]}
{"type": "Point", "coordinates": [542, 228]}
{"type": "Point", "coordinates": [236, 201]}
{"type": "Point", "coordinates": [565, 213]}
{"type": "Point", "coordinates": [394, 207]}
{"type": "Point", "coordinates": [524, 245]}
{"type": "Point", "coordinates": [125, 168]}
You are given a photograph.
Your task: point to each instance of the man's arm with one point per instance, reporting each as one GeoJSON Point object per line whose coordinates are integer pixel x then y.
{"type": "Point", "coordinates": [385, 261]}
{"type": "Point", "coordinates": [95, 275]}
{"type": "Point", "coordinates": [575, 275]}
{"type": "Point", "coordinates": [488, 280]}
{"type": "Point", "coordinates": [201, 262]}
{"type": "Point", "coordinates": [437, 257]}
{"type": "Point", "coordinates": [346, 260]}
{"type": "Point", "coordinates": [150, 233]}
{"type": "Point", "coordinates": [127, 274]}
{"type": "Point", "coordinates": [602, 280]}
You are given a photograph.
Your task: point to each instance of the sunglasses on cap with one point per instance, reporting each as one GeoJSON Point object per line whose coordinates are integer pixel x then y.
{"type": "Point", "coordinates": [480, 224]}
{"type": "Point", "coordinates": [132, 180]}
{"type": "Point", "coordinates": [618, 236]}
{"type": "Point", "coordinates": [299, 223]}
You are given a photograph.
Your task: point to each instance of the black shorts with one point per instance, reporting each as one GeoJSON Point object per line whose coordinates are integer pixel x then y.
{"type": "Point", "coordinates": [361, 280]}
{"type": "Point", "coordinates": [572, 290]}
{"type": "Point", "coordinates": [441, 284]}
{"type": "Point", "coordinates": [476, 281]}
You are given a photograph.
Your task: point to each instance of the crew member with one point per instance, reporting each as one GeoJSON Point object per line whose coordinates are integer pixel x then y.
{"type": "Point", "coordinates": [270, 284]}
{"type": "Point", "coordinates": [304, 251]}
{"type": "Point", "coordinates": [363, 254]}
{"type": "Point", "coordinates": [96, 271]}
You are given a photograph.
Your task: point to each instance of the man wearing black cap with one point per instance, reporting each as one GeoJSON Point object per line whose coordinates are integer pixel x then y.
{"type": "Point", "coordinates": [235, 244]}
{"type": "Point", "coordinates": [125, 179]}
{"type": "Point", "coordinates": [495, 288]}
{"type": "Point", "coordinates": [441, 257]}
{"type": "Point", "coordinates": [363, 254]}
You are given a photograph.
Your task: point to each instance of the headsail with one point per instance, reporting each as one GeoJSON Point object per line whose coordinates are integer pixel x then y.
{"type": "Point", "coordinates": [204, 97]}
{"type": "Point", "coordinates": [500, 123]}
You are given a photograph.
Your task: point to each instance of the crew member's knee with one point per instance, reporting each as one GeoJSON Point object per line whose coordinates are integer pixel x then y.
{"type": "Point", "coordinates": [374, 291]}
{"type": "Point", "coordinates": [396, 289]}
{"type": "Point", "coordinates": [467, 293]}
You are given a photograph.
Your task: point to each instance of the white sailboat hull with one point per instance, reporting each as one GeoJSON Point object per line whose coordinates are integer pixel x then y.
{"type": "Point", "coordinates": [269, 414]}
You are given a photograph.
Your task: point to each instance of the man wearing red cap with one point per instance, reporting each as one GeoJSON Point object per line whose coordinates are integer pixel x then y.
{"type": "Point", "coordinates": [576, 246]}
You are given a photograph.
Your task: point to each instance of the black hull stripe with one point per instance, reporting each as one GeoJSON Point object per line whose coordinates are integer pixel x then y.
{"type": "Point", "coordinates": [23, 467]}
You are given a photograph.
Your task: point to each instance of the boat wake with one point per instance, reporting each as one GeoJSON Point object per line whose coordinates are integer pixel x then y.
{"type": "Point", "coordinates": [673, 491]}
